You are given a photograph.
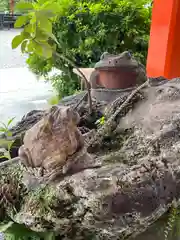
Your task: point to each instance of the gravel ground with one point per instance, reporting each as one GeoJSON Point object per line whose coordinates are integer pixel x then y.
{"type": "Point", "coordinates": [10, 58]}
{"type": "Point", "coordinates": [20, 91]}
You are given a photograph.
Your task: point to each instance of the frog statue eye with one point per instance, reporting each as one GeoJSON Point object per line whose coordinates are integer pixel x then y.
{"type": "Point", "coordinates": [104, 55]}
{"type": "Point", "coordinates": [129, 54]}
{"type": "Point", "coordinates": [126, 54]}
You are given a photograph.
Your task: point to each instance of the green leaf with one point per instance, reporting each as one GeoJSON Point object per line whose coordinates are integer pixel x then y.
{"type": "Point", "coordinates": [51, 7]}
{"type": "Point", "coordinates": [52, 36]}
{"type": "Point", "coordinates": [25, 35]}
{"type": "Point", "coordinates": [40, 35]}
{"type": "Point", "coordinates": [47, 51]}
{"type": "Point", "coordinates": [24, 6]}
{"type": "Point", "coordinates": [33, 19]}
{"type": "Point", "coordinates": [37, 48]}
{"type": "Point", "coordinates": [22, 20]}
{"type": "Point", "coordinates": [41, 2]}
{"type": "Point", "coordinates": [54, 47]}
{"type": "Point", "coordinates": [9, 134]}
{"type": "Point", "coordinates": [20, 232]}
{"type": "Point", "coordinates": [43, 49]}
{"type": "Point", "coordinates": [4, 142]}
{"type": "Point", "coordinates": [44, 22]}
{"type": "Point", "coordinates": [10, 143]}
{"type": "Point", "coordinates": [48, 13]}
{"type": "Point", "coordinates": [28, 28]}
{"type": "Point", "coordinates": [4, 227]}
{"type": "Point", "coordinates": [3, 129]}
{"type": "Point", "coordinates": [6, 155]}
{"type": "Point", "coordinates": [33, 29]}
{"type": "Point", "coordinates": [23, 46]}
{"type": "Point", "coordinates": [30, 47]}
{"type": "Point", "coordinates": [5, 126]}
{"type": "Point", "coordinates": [10, 121]}
{"type": "Point", "coordinates": [49, 236]}
{"type": "Point", "coordinates": [17, 40]}
{"type": "Point", "coordinates": [102, 120]}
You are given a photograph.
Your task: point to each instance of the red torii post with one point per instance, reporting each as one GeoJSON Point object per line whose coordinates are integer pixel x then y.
{"type": "Point", "coordinates": [164, 45]}
{"type": "Point", "coordinates": [11, 3]}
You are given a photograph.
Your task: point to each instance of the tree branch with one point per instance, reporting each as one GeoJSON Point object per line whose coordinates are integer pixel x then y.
{"type": "Point", "coordinates": [83, 76]}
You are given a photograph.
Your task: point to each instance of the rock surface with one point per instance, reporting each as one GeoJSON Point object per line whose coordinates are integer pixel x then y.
{"type": "Point", "coordinates": [137, 183]}
{"type": "Point", "coordinates": [19, 130]}
{"type": "Point", "coordinates": [30, 119]}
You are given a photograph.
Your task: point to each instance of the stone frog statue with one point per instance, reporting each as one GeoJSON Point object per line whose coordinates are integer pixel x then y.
{"type": "Point", "coordinates": [56, 144]}
{"type": "Point", "coordinates": [122, 60]}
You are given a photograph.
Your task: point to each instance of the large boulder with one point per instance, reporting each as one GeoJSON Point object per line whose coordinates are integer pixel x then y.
{"type": "Point", "coordinates": [137, 182]}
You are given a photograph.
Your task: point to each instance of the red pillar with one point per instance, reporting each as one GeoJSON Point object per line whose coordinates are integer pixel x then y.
{"type": "Point", "coordinates": [164, 45]}
{"type": "Point", "coordinates": [12, 7]}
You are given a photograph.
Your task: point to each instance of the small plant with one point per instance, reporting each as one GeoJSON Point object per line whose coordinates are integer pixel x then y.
{"type": "Point", "coordinates": [100, 122]}
{"type": "Point", "coordinates": [53, 100]}
{"type": "Point", "coordinates": [170, 224]}
{"type": "Point", "coordinates": [15, 231]}
{"type": "Point", "coordinates": [65, 84]}
{"type": "Point", "coordinates": [4, 128]}
{"type": "Point", "coordinates": [172, 228]}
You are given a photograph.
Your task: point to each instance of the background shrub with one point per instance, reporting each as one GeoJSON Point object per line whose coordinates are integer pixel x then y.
{"type": "Point", "coordinates": [88, 28]}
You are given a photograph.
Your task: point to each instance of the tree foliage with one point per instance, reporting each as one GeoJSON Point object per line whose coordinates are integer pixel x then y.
{"type": "Point", "coordinates": [36, 36]}
{"type": "Point", "coordinates": [87, 28]}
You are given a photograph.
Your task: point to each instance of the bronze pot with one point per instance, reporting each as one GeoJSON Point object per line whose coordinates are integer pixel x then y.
{"type": "Point", "coordinates": [117, 78]}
